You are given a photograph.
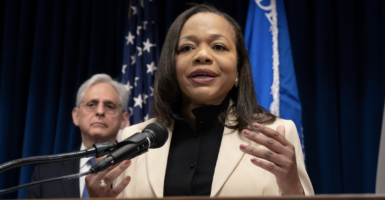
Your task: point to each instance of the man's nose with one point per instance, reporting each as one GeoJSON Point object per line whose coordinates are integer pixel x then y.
{"type": "Point", "coordinates": [100, 109]}
{"type": "Point", "coordinates": [203, 55]}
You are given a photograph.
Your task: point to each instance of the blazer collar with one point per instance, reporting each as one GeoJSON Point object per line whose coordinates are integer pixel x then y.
{"type": "Point", "coordinates": [157, 163]}
{"type": "Point", "coordinates": [228, 159]}
{"type": "Point", "coordinates": [229, 156]}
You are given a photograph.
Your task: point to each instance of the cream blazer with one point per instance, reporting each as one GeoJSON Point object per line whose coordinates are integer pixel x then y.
{"type": "Point", "coordinates": [234, 174]}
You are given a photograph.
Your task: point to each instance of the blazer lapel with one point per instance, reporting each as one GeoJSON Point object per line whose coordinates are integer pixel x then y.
{"type": "Point", "coordinates": [157, 164]}
{"type": "Point", "coordinates": [228, 158]}
{"type": "Point", "coordinates": [70, 187]}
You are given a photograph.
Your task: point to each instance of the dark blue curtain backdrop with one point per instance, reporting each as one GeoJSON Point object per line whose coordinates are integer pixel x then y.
{"type": "Point", "coordinates": [48, 48]}
{"type": "Point", "coordinates": [339, 59]}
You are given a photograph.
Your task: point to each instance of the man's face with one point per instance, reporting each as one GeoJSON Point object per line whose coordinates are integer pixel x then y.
{"type": "Point", "coordinates": [100, 114]}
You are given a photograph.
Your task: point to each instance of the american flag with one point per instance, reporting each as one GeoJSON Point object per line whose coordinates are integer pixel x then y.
{"type": "Point", "coordinates": [141, 55]}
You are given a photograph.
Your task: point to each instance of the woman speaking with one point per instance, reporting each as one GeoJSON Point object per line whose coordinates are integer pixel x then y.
{"type": "Point", "coordinates": [221, 142]}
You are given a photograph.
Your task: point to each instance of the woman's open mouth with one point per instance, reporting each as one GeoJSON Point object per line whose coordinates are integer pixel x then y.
{"type": "Point", "coordinates": [203, 76]}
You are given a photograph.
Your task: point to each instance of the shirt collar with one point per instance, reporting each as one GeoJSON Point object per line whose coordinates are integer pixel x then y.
{"type": "Point", "coordinates": [209, 111]}
{"type": "Point", "coordinates": [83, 161]}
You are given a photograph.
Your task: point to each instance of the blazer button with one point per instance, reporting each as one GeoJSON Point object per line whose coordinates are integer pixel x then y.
{"type": "Point", "coordinates": [192, 166]}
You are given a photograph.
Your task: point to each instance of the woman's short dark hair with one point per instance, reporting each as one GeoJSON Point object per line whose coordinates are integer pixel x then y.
{"type": "Point", "coordinates": [167, 92]}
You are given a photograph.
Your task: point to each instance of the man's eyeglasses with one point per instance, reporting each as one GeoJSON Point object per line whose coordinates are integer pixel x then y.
{"type": "Point", "coordinates": [109, 106]}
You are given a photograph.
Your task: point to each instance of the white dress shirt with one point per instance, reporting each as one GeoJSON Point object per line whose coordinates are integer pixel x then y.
{"type": "Point", "coordinates": [84, 166]}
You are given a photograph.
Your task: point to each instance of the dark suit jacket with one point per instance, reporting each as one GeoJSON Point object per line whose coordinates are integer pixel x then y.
{"type": "Point", "coordinates": [57, 189]}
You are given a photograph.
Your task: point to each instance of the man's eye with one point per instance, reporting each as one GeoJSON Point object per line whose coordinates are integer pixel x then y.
{"type": "Point", "coordinates": [111, 106]}
{"type": "Point", "coordinates": [90, 104]}
{"type": "Point", "coordinates": [219, 47]}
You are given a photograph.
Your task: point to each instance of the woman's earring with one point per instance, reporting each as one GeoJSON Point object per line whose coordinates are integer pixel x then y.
{"type": "Point", "coordinates": [236, 82]}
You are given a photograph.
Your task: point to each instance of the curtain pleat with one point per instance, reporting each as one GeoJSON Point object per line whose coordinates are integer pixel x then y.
{"type": "Point", "coordinates": [338, 50]}
{"type": "Point", "coordinates": [48, 49]}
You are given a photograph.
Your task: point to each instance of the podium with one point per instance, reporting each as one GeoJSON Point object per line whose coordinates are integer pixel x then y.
{"type": "Point", "coordinates": [316, 197]}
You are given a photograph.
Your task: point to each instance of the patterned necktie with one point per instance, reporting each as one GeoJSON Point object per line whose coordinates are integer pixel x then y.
{"type": "Point", "coordinates": [85, 192]}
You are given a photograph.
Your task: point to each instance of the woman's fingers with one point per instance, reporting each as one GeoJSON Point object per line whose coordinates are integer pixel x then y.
{"type": "Point", "coordinates": [271, 167]}
{"type": "Point", "coordinates": [280, 156]}
{"type": "Point", "coordinates": [281, 129]}
{"type": "Point", "coordinates": [271, 133]}
{"type": "Point", "coordinates": [100, 176]}
{"type": "Point", "coordinates": [277, 159]}
{"type": "Point", "coordinates": [93, 181]}
{"type": "Point", "coordinates": [115, 172]}
{"type": "Point", "coordinates": [272, 139]}
{"type": "Point", "coordinates": [261, 139]}
{"type": "Point", "coordinates": [119, 188]}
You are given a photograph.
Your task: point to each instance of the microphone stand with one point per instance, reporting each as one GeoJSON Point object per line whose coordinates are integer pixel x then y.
{"type": "Point", "coordinates": [97, 150]}
{"type": "Point", "coordinates": [68, 177]}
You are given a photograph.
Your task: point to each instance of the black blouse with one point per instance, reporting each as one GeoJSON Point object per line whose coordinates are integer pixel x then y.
{"type": "Point", "coordinates": [193, 154]}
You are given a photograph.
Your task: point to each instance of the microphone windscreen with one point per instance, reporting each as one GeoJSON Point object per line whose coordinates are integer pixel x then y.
{"type": "Point", "coordinates": [161, 134]}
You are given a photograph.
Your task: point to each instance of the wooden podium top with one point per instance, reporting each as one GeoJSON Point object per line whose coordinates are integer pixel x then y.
{"type": "Point", "coordinates": [316, 197]}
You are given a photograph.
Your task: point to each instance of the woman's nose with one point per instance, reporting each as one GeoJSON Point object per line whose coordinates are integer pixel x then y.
{"type": "Point", "coordinates": [203, 56]}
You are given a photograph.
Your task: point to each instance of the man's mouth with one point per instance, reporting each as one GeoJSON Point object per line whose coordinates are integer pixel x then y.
{"type": "Point", "coordinates": [98, 124]}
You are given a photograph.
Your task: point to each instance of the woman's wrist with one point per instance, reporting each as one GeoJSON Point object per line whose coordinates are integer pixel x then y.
{"type": "Point", "coordinates": [297, 191]}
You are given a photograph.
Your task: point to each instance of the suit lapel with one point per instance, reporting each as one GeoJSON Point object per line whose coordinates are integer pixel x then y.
{"type": "Point", "coordinates": [157, 164]}
{"type": "Point", "coordinates": [70, 187]}
{"type": "Point", "coordinates": [228, 158]}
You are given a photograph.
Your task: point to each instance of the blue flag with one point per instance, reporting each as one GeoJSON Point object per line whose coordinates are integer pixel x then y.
{"type": "Point", "coordinates": [141, 55]}
{"type": "Point", "coordinates": [268, 43]}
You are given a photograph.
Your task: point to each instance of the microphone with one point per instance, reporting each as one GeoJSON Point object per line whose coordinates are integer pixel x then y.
{"type": "Point", "coordinates": [153, 136]}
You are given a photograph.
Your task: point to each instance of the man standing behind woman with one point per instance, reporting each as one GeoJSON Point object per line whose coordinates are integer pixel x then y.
{"type": "Point", "coordinates": [221, 142]}
{"type": "Point", "coordinates": [101, 110]}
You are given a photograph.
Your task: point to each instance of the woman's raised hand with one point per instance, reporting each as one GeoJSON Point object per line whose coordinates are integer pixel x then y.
{"type": "Point", "coordinates": [98, 185]}
{"type": "Point", "coordinates": [281, 156]}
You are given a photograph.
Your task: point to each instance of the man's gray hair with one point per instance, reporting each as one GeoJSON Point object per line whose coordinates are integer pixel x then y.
{"type": "Point", "coordinates": [103, 78]}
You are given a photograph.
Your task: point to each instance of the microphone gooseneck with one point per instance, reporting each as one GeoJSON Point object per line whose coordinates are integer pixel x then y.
{"type": "Point", "coordinates": [153, 136]}
{"type": "Point", "coordinates": [67, 177]}
{"type": "Point", "coordinates": [97, 150]}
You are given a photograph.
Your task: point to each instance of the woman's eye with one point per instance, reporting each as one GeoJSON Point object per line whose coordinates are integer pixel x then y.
{"type": "Point", "coordinates": [219, 47]}
{"type": "Point", "coordinates": [186, 48]}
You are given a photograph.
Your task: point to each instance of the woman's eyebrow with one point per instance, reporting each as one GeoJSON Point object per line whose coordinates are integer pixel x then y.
{"type": "Point", "coordinates": [212, 36]}
{"type": "Point", "coordinates": [190, 37]}
{"type": "Point", "coordinates": [216, 36]}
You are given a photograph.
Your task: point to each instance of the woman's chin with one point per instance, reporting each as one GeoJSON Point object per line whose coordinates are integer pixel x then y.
{"type": "Point", "coordinates": [207, 99]}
